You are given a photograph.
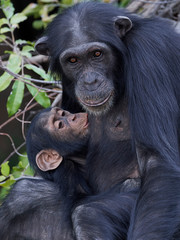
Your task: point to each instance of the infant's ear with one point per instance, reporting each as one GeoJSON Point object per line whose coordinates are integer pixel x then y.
{"type": "Point", "coordinates": [48, 159]}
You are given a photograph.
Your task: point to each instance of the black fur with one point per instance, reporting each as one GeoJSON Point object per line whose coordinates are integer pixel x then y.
{"type": "Point", "coordinates": [147, 73]}
{"type": "Point", "coordinates": [56, 206]}
{"type": "Point", "coordinates": [40, 209]}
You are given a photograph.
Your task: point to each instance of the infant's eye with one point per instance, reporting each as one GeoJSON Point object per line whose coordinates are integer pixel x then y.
{"type": "Point", "coordinates": [63, 113]}
{"type": "Point", "coordinates": [97, 53]}
{"type": "Point", "coordinates": [60, 124]}
{"type": "Point", "coordinates": [72, 59]}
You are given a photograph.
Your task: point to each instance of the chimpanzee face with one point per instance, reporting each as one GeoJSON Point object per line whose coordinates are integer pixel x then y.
{"type": "Point", "coordinates": [87, 63]}
{"type": "Point", "coordinates": [64, 125]}
{"type": "Point", "coordinates": [89, 66]}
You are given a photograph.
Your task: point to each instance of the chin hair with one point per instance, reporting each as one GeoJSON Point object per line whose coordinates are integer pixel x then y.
{"type": "Point", "coordinates": [100, 110]}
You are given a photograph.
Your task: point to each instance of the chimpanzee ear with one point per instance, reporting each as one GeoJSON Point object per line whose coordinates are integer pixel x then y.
{"type": "Point", "coordinates": [122, 25]}
{"type": "Point", "coordinates": [41, 46]}
{"type": "Point", "coordinates": [48, 159]}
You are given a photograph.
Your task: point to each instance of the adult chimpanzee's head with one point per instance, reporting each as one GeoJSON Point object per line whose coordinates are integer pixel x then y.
{"type": "Point", "coordinates": [55, 134]}
{"type": "Point", "coordinates": [84, 44]}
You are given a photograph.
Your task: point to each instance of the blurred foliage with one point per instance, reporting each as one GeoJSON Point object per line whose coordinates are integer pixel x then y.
{"type": "Point", "coordinates": [20, 50]}
{"type": "Point", "coordinates": [15, 64]}
{"type": "Point", "coordinates": [10, 175]}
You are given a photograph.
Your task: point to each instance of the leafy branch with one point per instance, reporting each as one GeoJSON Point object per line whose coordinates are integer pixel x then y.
{"type": "Point", "coordinates": [31, 87]}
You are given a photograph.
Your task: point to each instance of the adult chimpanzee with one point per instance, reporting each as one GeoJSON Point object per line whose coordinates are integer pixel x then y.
{"type": "Point", "coordinates": [55, 144]}
{"type": "Point", "coordinates": [107, 56]}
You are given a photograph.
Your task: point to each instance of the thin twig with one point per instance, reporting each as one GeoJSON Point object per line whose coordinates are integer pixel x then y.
{"type": "Point", "coordinates": [25, 78]}
{"type": "Point", "coordinates": [20, 113]}
{"type": "Point", "coordinates": [12, 118]}
{"type": "Point", "coordinates": [21, 121]}
{"type": "Point", "coordinates": [7, 43]}
{"type": "Point", "coordinates": [39, 88]}
{"type": "Point", "coordinates": [12, 142]}
{"type": "Point", "coordinates": [38, 59]}
{"type": "Point", "coordinates": [23, 115]}
{"type": "Point", "coordinates": [27, 177]}
{"type": "Point", "coordinates": [12, 153]}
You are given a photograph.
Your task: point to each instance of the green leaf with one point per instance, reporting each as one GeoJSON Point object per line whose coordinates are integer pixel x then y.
{"type": "Point", "coordinates": [67, 2]}
{"type": "Point", "coordinates": [37, 70]}
{"type": "Point", "coordinates": [8, 183]}
{"type": "Point", "coordinates": [7, 8]}
{"type": "Point", "coordinates": [5, 80]}
{"type": "Point", "coordinates": [14, 63]}
{"type": "Point", "coordinates": [20, 41]}
{"type": "Point", "coordinates": [38, 24]}
{"type": "Point", "coordinates": [5, 169]}
{"type": "Point", "coordinates": [2, 178]}
{"type": "Point", "coordinates": [29, 171]}
{"type": "Point", "coordinates": [31, 43]}
{"type": "Point", "coordinates": [3, 193]}
{"type": "Point", "coordinates": [124, 3]}
{"type": "Point", "coordinates": [4, 30]}
{"type": "Point", "coordinates": [48, 1]}
{"type": "Point", "coordinates": [20, 165]}
{"type": "Point", "coordinates": [24, 160]}
{"type": "Point", "coordinates": [17, 18]}
{"type": "Point", "coordinates": [16, 173]}
{"type": "Point", "coordinates": [32, 9]}
{"type": "Point", "coordinates": [3, 21]}
{"type": "Point", "coordinates": [20, 169]}
{"type": "Point", "coordinates": [26, 49]}
{"type": "Point", "coordinates": [2, 38]}
{"type": "Point", "coordinates": [40, 97]}
{"type": "Point", "coordinates": [26, 54]}
{"type": "Point", "coordinates": [15, 98]}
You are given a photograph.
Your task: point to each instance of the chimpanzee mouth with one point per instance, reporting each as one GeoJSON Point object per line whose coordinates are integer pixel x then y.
{"type": "Point", "coordinates": [93, 103]}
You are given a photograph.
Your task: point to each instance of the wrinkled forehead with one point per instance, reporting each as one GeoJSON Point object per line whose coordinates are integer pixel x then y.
{"type": "Point", "coordinates": [75, 37]}
{"type": "Point", "coordinates": [82, 48]}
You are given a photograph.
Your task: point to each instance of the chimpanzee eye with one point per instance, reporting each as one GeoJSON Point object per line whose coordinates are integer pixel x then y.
{"type": "Point", "coordinates": [72, 59]}
{"type": "Point", "coordinates": [62, 113]}
{"type": "Point", "coordinates": [60, 124]}
{"type": "Point", "coordinates": [97, 53]}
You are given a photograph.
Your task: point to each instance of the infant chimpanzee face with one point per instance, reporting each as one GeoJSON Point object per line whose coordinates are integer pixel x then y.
{"type": "Point", "coordinates": [65, 125]}
{"type": "Point", "coordinates": [67, 130]}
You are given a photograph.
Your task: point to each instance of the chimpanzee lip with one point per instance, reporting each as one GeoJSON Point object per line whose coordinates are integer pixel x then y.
{"type": "Point", "coordinates": [91, 103]}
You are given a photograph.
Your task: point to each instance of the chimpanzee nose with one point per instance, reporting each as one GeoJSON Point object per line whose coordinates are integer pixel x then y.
{"type": "Point", "coordinates": [91, 81]}
{"type": "Point", "coordinates": [91, 84]}
{"type": "Point", "coordinates": [72, 117]}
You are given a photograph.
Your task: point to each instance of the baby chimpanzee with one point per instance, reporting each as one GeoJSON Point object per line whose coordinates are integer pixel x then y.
{"type": "Point", "coordinates": [58, 137]}
{"type": "Point", "coordinates": [39, 209]}
{"type": "Point", "coordinates": [57, 145]}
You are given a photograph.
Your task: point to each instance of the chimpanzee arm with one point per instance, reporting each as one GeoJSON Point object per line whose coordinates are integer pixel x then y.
{"type": "Point", "coordinates": [159, 198]}
{"type": "Point", "coordinates": [28, 194]}
{"type": "Point", "coordinates": [154, 116]}
{"type": "Point", "coordinates": [106, 216]}
{"type": "Point", "coordinates": [30, 208]}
